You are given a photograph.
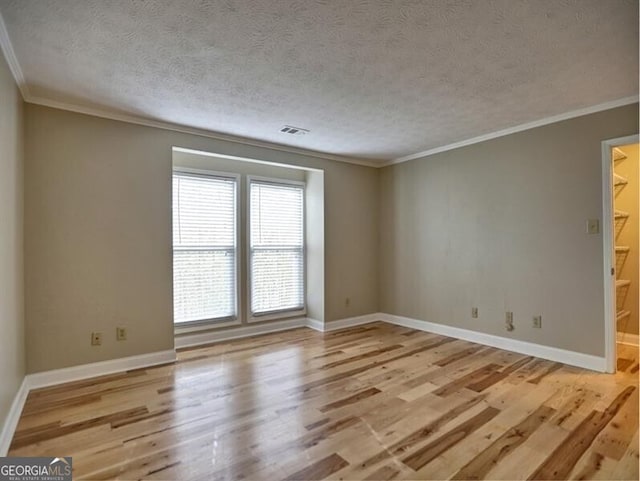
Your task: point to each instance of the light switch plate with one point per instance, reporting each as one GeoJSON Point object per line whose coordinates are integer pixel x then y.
{"type": "Point", "coordinates": [537, 322]}
{"type": "Point", "coordinates": [593, 226]}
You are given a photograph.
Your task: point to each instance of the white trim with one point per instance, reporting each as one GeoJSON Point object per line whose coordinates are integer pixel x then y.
{"type": "Point", "coordinates": [75, 373]}
{"type": "Point", "coordinates": [608, 249]}
{"type": "Point", "coordinates": [159, 124]}
{"type": "Point", "coordinates": [255, 329]}
{"type": "Point", "coordinates": [14, 66]}
{"type": "Point", "coordinates": [315, 324]}
{"type": "Point", "coordinates": [69, 374]}
{"type": "Point", "coordinates": [573, 358]}
{"type": "Point", "coordinates": [204, 153]}
{"type": "Point", "coordinates": [259, 179]}
{"type": "Point", "coordinates": [343, 323]}
{"type": "Point", "coordinates": [279, 314]}
{"type": "Point", "coordinates": [13, 416]}
{"type": "Point", "coordinates": [629, 339]}
{"type": "Point", "coordinates": [518, 128]}
{"type": "Point", "coordinates": [12, 60]}
{"type": "Point", "coordinates": [185, 129]}
{"type": "Point", "coordinates": [608, 258]}
{"type": "Point", "coordinates": [85, 371]}
{"type": "Point", "coordinates": [212, 337]}
{"type": "Point", "coordinates": [203, 324]}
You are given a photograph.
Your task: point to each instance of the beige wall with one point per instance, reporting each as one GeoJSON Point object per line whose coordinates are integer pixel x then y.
{"type": "Point", "coordinates": [98, 234]}
{"type": "Point", "coordinates": [626, 199]}
{"type": "Point", "coordinates": [12, 345]}
{"type": "Point", "coordinates": [315, 244]}
{"type": "Point", "coordinates": [500, 225]}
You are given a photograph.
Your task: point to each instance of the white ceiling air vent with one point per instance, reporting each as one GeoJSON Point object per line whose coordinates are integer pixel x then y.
{"type": "Point", "coordinates": [288, 129]}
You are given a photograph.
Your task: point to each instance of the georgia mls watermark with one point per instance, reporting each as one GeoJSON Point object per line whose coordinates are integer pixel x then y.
{"type": "Point", "coordinates": [35, 469]}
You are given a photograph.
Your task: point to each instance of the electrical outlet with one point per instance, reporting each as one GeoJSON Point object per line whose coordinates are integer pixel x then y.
{"type": "Point", "coordinates": [509, 321]}
{"type": "Point", "coordinates": [121, 334]}
{"type": "Point", "coordinates": [474, 312]}
{"type": "Point", "coordinates": [593, 226]}
{"type": "Point", "coordinates": [96, 338]}
{"type": "Point", "coordinates": [537, 322]}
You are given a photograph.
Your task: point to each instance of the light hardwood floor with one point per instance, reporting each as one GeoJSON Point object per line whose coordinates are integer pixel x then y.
{"type": "Point", "coordinates": [371, 402]}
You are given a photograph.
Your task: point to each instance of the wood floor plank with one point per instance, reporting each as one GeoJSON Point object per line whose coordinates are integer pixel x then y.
{"type": "Point", "coordinates": [567, 454]}
{"type": "Point", "coordinates": [371, 402]}
{"type": "Point", "coordinates": [628, 467]}
{"type": "Point", "coordinates": [466, 380]}
{"type": "Point", "coordinates": [350, 400]}
{"type": "Point", "coordinates": [479, 467]}
{"type": "Point", "coordinates": [31, 437]}
{"type": "Point", "coordinates": [320, 469]}
{"type": "Point", "coordinates": [408, 442]}
{"type": "Point", "coordinates": [426, 454]}
{"type": "Point", "coordinates": [614, 439]}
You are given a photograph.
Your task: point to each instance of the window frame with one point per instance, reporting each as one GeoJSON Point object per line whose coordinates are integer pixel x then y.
{"type": "Point", "coordinates": [282, 313]}
{"type": "Point", "coordinates": [209, 323]}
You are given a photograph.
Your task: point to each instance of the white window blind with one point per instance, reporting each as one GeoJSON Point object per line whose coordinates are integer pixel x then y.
{"type": "Point", "coordinates": [277, 247]}
{"type": "Point", "coordinates": [204, 247]}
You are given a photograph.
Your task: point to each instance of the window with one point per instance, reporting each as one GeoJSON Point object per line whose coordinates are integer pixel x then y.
{"type": "Point", "coordinates": [276, 247]}
{"type": "Point", "coordinates": [204, 247]}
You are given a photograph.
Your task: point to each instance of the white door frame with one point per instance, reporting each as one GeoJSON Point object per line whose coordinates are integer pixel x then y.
{"type": "Point", "coordinates": [608, 243]}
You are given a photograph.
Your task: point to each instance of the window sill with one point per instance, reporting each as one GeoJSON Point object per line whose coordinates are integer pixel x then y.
{"type": "Point", "coordinates": [204, 326]}
{"type": "Point", "coordinates": [277, 316]}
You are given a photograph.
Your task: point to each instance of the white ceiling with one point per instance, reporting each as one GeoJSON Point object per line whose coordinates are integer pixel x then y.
{"type": "Point", "coordinates": [371, 79]}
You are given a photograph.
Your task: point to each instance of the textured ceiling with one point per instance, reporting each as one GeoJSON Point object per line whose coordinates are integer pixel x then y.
{"type": "Point", "coordinates": [371, 79]}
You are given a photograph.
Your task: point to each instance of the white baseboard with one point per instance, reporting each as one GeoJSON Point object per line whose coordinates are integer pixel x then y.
{"type": "Point", "coordinates": [630, 339]}
{"type": "Point", "coordinates": [572, 358]}
{"type": "Point", "coordinates": [69, 374]}
{"type": "Point", "coordinates": [249, 330]}
{"type": "Point", "coordinates": [343, 323]}
{"type": "Point", "coordinates": [13, 416]}
{"type": "Point", "coordinates": [75, 373]}
{"type": "Point", "coordinates": [94, 369]}
{"type": "Point", "coordinates": [211, 337]}
{"type": "Point", "coordinates": [315, 324]}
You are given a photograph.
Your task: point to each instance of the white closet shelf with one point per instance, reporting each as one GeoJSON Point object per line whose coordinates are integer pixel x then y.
{"type": "Point", "coordinates": [619, 180]}
{"type": "Point", "coordinates": [622, 314]}
{"type": "Point", "coordinates": [618, 154]}
{"type": "Point", "coordinates": [622, 249]}
{"type": "Point", "coordinates": [620, 214]}
{"type": "Point", "coordinates": [622, 283]}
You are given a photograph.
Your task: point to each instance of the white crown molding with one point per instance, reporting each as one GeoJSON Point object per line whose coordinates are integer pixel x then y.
{"type": "Point", "coordinates": [137, 120]}
{"type": "Point", "coordinates": [101, 368]}
{"type": "Point", "coordinates": [572, 358]}
{"type": "Point", "coordinates": [12, 60]}
{"type": "Point", "coordinates": [12, 418]}
{"type": "Point", "coordinates": [159, 124]}
{"type": "Point", "coordinates": [518, 128]}
{"type": "Point", "coordinates": [14, 66]}
{"type": "Point", "coordinates": [630, 339]}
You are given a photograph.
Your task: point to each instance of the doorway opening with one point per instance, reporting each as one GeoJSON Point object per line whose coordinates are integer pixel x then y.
{"type": "Point", "coordinates": [621, 169]}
